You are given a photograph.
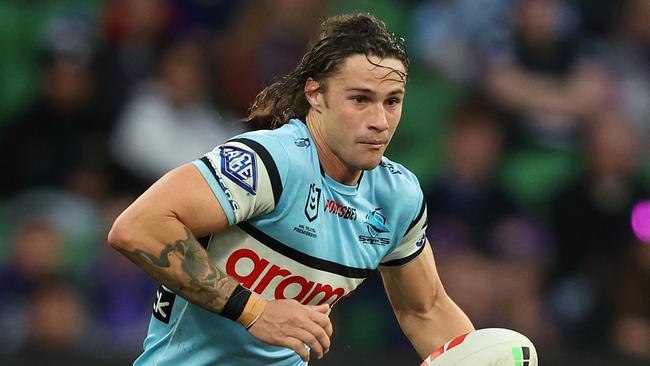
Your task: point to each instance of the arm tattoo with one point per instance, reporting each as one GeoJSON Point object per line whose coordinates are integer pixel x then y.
{"type": "Point", "coordinates": [204, 285]}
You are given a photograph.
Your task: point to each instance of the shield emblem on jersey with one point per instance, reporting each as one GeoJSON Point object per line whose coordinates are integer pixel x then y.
{"type": "Point", "coordinates": [239, 166]}
{"type": "Point", "coordinates": [313, 202]}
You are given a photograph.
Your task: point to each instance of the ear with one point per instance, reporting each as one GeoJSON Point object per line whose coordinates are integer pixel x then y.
{"type": "Point", "coordinates": [312, 93]}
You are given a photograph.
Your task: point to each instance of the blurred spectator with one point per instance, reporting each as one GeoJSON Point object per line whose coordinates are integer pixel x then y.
{"type": "Point", "coordinates": [627, 57]}
{"type": "Point", "coordinates": [120, 294]}
{"type": "Point", "coordinates": [22, 26]}
{"type": "Point", "coordinates": [57, 318]}
{"type": "Point", "coordinates": [56, 326]}
{"type": "Point", "coordinates": [36, 255]}
{"type": "Point", "coordinates": [56, 244]}
{"type": "Point", "coordinates": [133, 30]}
{"type": "Point", "coordinates": [598, 18]}
{"type": "Point", "coordinates": [169, 122]}
{"type": "Point", "coordinates": [541, 80]}
{"type": "Point", "coordinates": [478, 234]}
{"type": "Point", "coordinates": [214, 16]}
{"type": "Point", "coordinates": [34, 259]}
{"type": "Point", "coordinates": [631, 326]}
{"type": "Point", "coordinates": [59, 139]}
{"type": "Point", "coordinates": [121, 299]}
{"type": "Point", "coordinates": [73, 217]}
{"type": "Point", "coordinates": [267, 40]}
{"type": "Point", "coordinates": [591, 225]}
{"type": "Point", "coordinates": [457, 37]}
{"type": "Point", "coordinates": [466, 190]}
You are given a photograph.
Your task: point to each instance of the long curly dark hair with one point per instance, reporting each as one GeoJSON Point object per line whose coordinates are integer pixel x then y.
{"type": "Point", "coordinates": [340, 36]}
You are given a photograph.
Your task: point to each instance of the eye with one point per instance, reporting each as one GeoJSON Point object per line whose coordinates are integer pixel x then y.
{"type": "Point", "coordinates": [359, 99]}
{"type": "Point", "coordinates": [393, 101]}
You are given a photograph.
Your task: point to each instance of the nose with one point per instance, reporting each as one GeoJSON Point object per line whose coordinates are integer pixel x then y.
{"type": "Point", "coordinates": [378, 118]}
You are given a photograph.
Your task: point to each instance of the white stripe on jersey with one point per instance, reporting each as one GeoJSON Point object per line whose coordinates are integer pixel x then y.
{"type": "Point", "coordinates": [273, 275]}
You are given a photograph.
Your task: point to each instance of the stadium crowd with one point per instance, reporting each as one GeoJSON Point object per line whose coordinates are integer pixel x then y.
{"type": "Point", "coordinates": [526, 121]}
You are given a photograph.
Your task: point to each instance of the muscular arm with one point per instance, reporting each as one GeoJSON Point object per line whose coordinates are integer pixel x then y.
{"type": "Point", "coordinates": [157, 232]}
{"type": "Point", "coordinates": [426, 314]}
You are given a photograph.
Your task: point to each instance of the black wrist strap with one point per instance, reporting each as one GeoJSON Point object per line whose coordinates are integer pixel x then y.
{"type": "Point", "coordinates": [236, 303]}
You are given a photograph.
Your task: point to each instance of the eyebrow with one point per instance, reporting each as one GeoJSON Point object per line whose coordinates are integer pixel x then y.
{"type": "Point", "coordinates": [370, 91]}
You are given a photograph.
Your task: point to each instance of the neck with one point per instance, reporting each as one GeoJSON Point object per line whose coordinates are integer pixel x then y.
{"type": "Point", "coordinates": [331, 163]}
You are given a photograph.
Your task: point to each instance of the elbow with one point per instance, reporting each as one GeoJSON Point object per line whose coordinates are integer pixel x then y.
{"type": "Point", "coordinates": [119, 236]}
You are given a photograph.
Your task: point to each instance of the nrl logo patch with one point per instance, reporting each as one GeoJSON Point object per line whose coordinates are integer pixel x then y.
{"type": "Point", "coordinates": [313, 201]}
{"type": "Point", "coordinates": [239, 166]}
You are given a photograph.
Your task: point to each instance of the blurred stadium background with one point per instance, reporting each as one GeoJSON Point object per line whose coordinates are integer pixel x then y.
{"type": "Point", "coordinates": [527, 122]}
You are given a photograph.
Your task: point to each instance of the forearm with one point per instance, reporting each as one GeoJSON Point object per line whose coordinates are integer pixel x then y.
{"type": "Point", "coordinates": [181, 264]}
{"type": "Point", "coordinates": [431, 329]}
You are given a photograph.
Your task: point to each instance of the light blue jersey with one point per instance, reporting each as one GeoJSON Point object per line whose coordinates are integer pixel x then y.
{"type": "Point", "coordinates": [294, 233]}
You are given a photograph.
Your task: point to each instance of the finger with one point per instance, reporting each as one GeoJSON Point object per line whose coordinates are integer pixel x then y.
{"type": "Point", "coordinates": [298, 346]}
{"type": "Point", "coordinates": [323, 308]}
{"type": "Point", "coordinates": [319, 334]}
{"type": "Point", "coordinates": [324, 322]}
{"type": "Point", "coordinates": [309, 339]}
{"type": "Point", "coordinates": [329, 328]}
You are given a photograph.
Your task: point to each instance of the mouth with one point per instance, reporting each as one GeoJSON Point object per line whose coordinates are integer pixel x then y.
{"type": "Point", "coordinates": [374, 144]}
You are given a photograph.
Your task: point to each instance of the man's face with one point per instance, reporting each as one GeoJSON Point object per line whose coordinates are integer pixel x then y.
{"type": "Point", "coordinates": [361, 107]}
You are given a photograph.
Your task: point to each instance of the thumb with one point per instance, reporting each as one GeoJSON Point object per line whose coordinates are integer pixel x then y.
{"type": "Point", "coordinates": [323, 308]}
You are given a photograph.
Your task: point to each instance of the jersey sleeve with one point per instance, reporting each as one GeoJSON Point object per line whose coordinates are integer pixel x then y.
{"type": "Point", "coordinates": [412, 242]}
{"type": "Point", "coordinates": [245, 175]}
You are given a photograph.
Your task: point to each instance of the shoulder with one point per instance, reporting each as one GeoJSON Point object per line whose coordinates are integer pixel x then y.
{"type": "Point", "coordinates": [281, 150]}
{"type": "Point", "coordinates": [277, 142]}
{"type": "Point", "coordinates": [398, 188]}
{"type": "Point", "coordinates": [396, 177]}
{"type": "Point", "coordinates": [248, 172]}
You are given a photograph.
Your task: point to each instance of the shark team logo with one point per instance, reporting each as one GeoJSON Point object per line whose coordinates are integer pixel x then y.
{"type": "Point", "coordinates": [313, 201]}
{"type": "Point", "coordinates": [376, 223]}
{"type": "Point", "coordinates": [376, 226]}
{"type": "Point", "coordinates": [239, 166]}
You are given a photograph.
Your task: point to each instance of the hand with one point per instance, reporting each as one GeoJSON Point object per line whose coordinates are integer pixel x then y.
{"type": "Point", "coordinates": [290, 324]}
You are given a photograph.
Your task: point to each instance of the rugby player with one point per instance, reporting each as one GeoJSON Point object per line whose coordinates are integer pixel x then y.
{"type": "Point", "coordinates": [254, 242]}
